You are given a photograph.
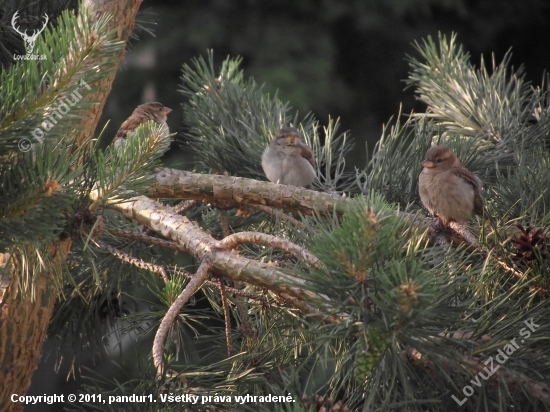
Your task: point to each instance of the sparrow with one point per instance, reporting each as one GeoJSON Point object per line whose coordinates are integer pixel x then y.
{"type": "Point", "coordinates": [288, 161]}
{"type": "Point", "coordinates": [148, 111]}
{"type": "Point", "coordinates": [447, 189]}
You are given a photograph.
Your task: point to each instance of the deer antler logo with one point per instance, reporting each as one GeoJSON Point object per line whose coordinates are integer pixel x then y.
{"type": "Point", "coordinates": [29, 40]}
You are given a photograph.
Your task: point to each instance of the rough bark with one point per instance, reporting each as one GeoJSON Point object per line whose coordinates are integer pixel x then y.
{"type": "Point", "coordinates": [226, 191]}
{"type": "Point", "coordinates": [190, 237]}
{"type": "Point", "coordinates": [24, 319]}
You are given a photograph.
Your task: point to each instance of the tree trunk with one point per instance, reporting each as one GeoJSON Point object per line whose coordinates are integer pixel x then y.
{"type": "Point", "coordinates": [26, 306]}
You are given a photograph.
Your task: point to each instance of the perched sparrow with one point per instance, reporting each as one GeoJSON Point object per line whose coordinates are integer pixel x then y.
{"type": "Point", "coordinates": [448, 189]}
{"type": "Point", "coordinates": [144, 112]}
{"type": "Point", "coordinates": [288, 161]}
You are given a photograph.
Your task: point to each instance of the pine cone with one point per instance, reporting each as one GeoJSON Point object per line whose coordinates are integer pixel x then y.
{"type": "Point", "coordinates": [531, 244]}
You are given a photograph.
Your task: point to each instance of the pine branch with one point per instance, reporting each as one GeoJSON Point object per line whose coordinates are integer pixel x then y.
{"type": "Point", "coordinates": [190, 289]}
{"type": "Point", "coordinates": [232, 241]}
{"type": "Point", "coordinates": [187, 234]}
{"type": "Point", "coordinates": [157, 269]}
{"type": "Point", "coordinates": [81, 50]}
{"type": "Point", "coordinates": [147, 239]}
{"type": "Point", "coordinates": [471, 102]}
{"type": "Point", "coordinates": [232, 121]}
{"type": "Point", "coordinates": [172, 270]}
{"type": "Point", "coordinates": [47, 100]}
{"type": "Point", "coordinates": [127, 169]}
{"type": "Point", "coordinates": [163, 270]}
{"type": "Point", "coordinates": [230, 192]}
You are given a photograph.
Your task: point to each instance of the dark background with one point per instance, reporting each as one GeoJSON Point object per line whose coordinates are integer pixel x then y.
{"type": "Point", "coordinates": [340, 58]}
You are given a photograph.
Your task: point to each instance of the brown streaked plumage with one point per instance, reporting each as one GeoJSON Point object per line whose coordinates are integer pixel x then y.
{"type": "Point", "coordinates": [288, 161]}
{"type": "Point", "coordinates": [447, 189]}
{"type": "Point", "coordinates": [148, 111]}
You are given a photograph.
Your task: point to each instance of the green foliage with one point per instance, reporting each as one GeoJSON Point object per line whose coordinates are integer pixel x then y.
{"type": "Point", "coordinates": [393, 293]}
{"type": "Point", "coordinates": [525, 189]}
{"type": "Point", "coordinates": [45, 180]}
{"type": "Point", "coordinates": [495, 122]}
{"type": "Point", "coordinates": [35, 194]}
{"type": "Point", "coordinates": [33, 91]}
{"type": "Point", "coordinates": [222, 113]}
{"type": "Point", "coordinates": [124, 171]}
{"type": "Point", "coordinates": [463, 99]}
{"type": "Point", "coordinates": [39, 186]}
{"type": "Point", "coordinates": [396, 323]}
{"type": "Point", "coordinates": [231, 121]}
{"type": "Point", "coordinates": [366, 361]}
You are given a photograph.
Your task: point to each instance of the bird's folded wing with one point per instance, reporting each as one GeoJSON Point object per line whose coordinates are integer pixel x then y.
{"type": "Point", "coordinates": [307, 154]}
{"type": "Point", "coordinates": [470, 178]}
{"type": "Point", "coordinates": [128, 126]}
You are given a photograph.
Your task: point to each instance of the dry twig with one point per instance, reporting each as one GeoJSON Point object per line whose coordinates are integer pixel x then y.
{"type": "Point", "coordinates": [227, 318]}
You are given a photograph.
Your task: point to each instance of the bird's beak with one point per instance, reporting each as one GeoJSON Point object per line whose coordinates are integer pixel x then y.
{"type": "Point", "coordinates": [167, 110]}
{"type": "Point", "coordinates": [428, 164]}
{"type": "Point", "coordinates": [293, 139]}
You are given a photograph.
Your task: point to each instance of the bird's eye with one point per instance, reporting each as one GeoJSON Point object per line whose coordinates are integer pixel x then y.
{"type": "Point", "coordinates": [438, 160]}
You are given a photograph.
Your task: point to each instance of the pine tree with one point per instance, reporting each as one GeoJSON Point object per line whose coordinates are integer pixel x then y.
{"type": "Point", "coordinates": [48, 107]}
{"type": "Point", "coordinates": [343, 298]}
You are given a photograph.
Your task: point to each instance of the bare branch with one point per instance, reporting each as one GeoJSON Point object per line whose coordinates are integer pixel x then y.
{"type": "Point", "coordinates": [128, 234]}
{"type": "Point", "coordinates": [191, 237]}
{"type": "Point", "coordinates": [229, 191]}
{"type": "Point", "coordinates": [158, 269]}
{"type": "Point", "coordinates": [232, 241]}
{"type": "Point", "coordinates": [194, 284]}
{"type": "Point", "coordinates": [243, 314]}
{"type": "Point", "coordinates": [472, 241]}
{"type": "Point", "coordinates": [170, 269]}
{"type": "Point", "coordinates": [224, 221]}
{"type": "Point", "coordinates": [464, 233]}
{"type": "Point", "coordinates": [174, 270]}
